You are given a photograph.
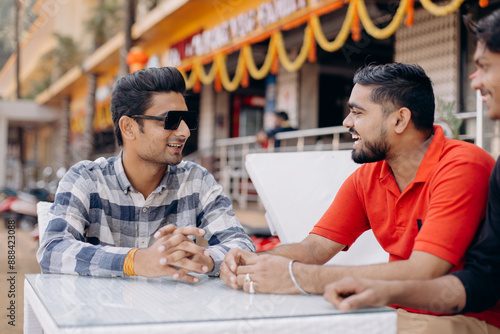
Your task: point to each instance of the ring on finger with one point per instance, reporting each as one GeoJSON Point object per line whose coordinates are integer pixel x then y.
{"type": "Point", "coordinates": [251, 290]}
{"type": "Point", "coordinates": [247, 278]}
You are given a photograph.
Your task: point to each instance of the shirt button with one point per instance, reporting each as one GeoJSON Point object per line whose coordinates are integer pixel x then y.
{"type": "Point", "coordinates": [144, 209]}
{"type": "Point", "coordinates": [217, 274]}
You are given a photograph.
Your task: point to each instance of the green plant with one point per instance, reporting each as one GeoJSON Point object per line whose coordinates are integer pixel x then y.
{"type": "Point", "coordinates": [105, 21]}
{"type": "Point", "coordinates": [53, 64]}
{"type": "Point", "coordinates": [445, 114]}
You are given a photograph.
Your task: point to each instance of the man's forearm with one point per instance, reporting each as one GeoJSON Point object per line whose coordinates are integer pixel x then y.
{"type": "Point", "coordinates": [294, 252]}
{"type": "Point", "coordinates": [74, 257]}
{"type": "Point", "coordinates": [314, 278]}
{"type": "Point", "coordinates": [313, 250]}
{"type": "Point", "coordinates": [444, 294]}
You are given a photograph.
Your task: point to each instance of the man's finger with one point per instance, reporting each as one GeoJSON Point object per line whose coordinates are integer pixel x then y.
{"type": "Point", "coordinates": [183, 250]}
{"type": "Point", "coordinates": [195, 264]}
{"type": "Point", "coordinates": [228, 276]}
{"type": "Point", "coordinates": [189, 248]}
{"type": "Point", "coordinates": [173, 242]}
{"type": "Point", "coordinates": [173, 257]}
{"type": "Point", "coordinates": [190, 230]}
{"type": "Point", "coordinates": [183, 275]}
{"type": "Point", "coordinates": [165, 230]}
{"type": "Point", "coordinates": [242, 274]}
{"type": "Point", "coordinates": [356, 301]}
{"type": "Point", "coordinates": [230, 260]}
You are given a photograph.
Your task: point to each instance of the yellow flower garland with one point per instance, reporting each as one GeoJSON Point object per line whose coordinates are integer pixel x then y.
{"type": "Point", "coordinates": [441, 10]}
{"type": "Point", "coordinates": [390, 29]}
{"type": "Point", "coordinates": [191, 79]}
{"type": "Point", "coordinates": [277, 45]}
{"type": "Point", "coordinates": [205, 79]}
{"type": "Point", "coordinates": [342, 36]}
{"type": "Point", "coordinates": [228, 84]}
{"type": "Point", "coordinates": [292, 66]}
{"type": "Point", "coordinates": [259, 74]}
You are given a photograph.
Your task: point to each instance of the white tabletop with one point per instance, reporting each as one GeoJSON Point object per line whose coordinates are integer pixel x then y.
{"type": "Point", "coordinates": [65, 303]}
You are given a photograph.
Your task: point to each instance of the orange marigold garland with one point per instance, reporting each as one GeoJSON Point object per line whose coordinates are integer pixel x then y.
{"type": "Point", "coordinates": [312, 48]}
{"type": "Point", "coordinates": [410, 12]}
{"type": "Point", "coordinates": [276, 64]}
{"type": "Point", "coordinates": [356, 27]}
{"type": "Point", "coordinates": [218, 83]}
{"type": "Point", "coordinates": [197, 86]}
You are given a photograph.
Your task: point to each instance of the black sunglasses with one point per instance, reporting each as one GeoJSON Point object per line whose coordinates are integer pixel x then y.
{"type": "Point", "coordinates": [173, 118]}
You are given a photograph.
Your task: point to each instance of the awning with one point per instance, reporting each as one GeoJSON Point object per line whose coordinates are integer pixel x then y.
{"type": "Point", "coordinates": [357, 15]}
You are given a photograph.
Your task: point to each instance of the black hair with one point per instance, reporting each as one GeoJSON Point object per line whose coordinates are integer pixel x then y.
{"type": "Point", "coordinates": [400, 85]}
{"type": "Point", "coordinates": [282, 114]}
{"type": "Point", "coordinates": [132, 94]}
{"type": "Point", "coordinates": [486, 30]}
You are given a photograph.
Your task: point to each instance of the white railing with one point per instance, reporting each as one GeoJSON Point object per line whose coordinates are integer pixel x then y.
{"type": "Point", "coordinates": [231, 155]}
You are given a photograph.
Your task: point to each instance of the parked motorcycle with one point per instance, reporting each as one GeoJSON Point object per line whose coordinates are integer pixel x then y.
{"type": "Point", "coordinates": [20, 207]}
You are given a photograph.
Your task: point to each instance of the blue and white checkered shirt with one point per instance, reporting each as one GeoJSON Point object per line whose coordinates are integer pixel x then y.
{"type": "Point", "coordinates": [98, 217]}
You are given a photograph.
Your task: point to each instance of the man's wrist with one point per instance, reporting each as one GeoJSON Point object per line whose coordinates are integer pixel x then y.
{"type": "Point", "coordinates": [292, 277]}
{"type": "Point", "coordinates": [213, 268]}
{"type": "Point", "coordinates": [313, 278]}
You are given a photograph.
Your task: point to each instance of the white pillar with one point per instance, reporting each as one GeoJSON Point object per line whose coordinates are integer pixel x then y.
{"type": "Point", "coordinates": [287, 98]}
{"type": "Point", "coordinates": [222, 114]}
{"type": "Point", "coordinates": [4, 135]}
{"type": "Point", "coordinates": [206, 133]}
{"type": "Point", "coordinates": [309, 96]}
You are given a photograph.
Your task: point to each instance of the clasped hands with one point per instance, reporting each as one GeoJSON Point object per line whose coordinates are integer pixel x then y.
{"type": "Point", "coordinates": [268, 273]}
{"type": "Point", "coordinates": [174, 254]}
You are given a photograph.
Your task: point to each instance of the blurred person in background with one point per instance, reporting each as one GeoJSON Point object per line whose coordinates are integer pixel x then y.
{"type": "Point", "coordinates": [281, 124]}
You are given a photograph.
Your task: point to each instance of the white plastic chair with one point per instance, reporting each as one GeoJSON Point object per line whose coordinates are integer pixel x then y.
{"type": "Point", "coordinates": [297, 188]}
{"type": "Point", "coordinates": [42, 209]}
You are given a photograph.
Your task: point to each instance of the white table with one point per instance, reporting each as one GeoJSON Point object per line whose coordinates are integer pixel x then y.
{"type": "Point", "coordinates": [77, 304]}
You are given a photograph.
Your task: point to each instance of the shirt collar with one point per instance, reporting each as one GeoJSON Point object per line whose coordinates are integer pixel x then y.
{"type": "Point", "coordinates": [429, 161]}
{"type": "Point", "coordinates": [124, 182]}
{"type": "Point", "coordinates": [432, 155]}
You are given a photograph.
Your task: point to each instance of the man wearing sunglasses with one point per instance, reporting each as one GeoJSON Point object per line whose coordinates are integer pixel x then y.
{"type": "Point", "coordinates": [139, 213]}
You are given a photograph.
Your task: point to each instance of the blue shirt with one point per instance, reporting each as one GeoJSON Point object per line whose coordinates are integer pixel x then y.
{"type": "Point", "coordinates": [98, 217]}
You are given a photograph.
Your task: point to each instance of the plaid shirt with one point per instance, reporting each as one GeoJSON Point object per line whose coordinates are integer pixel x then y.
{"type": "Point", "coordinates": [98, 217]}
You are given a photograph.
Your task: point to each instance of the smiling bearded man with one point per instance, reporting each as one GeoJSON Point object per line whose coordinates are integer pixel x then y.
{"type": "Point", "coordinates": [414, 190]}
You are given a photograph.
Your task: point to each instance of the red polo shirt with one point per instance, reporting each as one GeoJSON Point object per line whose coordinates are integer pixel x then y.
{"type": "Point", "coordinates": [437, 213]}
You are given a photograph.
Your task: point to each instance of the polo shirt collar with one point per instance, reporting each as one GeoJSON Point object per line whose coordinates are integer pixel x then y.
{"type": "Point", "coordinates": [431, 158]}
{"type": "Point", "coordinates": [124, 182]}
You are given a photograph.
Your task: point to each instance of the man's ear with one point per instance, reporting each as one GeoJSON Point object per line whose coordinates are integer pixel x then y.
{"type": "Point", "coordinates": [402, 120]}
{"type": "Point", "coordinates": [127, 125]}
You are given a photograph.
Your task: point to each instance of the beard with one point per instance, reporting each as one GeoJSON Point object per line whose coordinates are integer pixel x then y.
{"type": "Point", "coordinates": [160, 158]}
{"type": "Point", "coordinates": [372, 152]}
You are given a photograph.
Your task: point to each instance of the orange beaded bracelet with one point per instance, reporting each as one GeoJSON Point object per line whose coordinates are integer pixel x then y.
{"type": "Point", "coordinates": [128, 264]}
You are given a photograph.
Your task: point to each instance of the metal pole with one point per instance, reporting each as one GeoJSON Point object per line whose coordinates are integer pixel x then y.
{"type": "Point", "coordinates": [17, 4]}
{"type": "Point", "coordinates": [479, 119]}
